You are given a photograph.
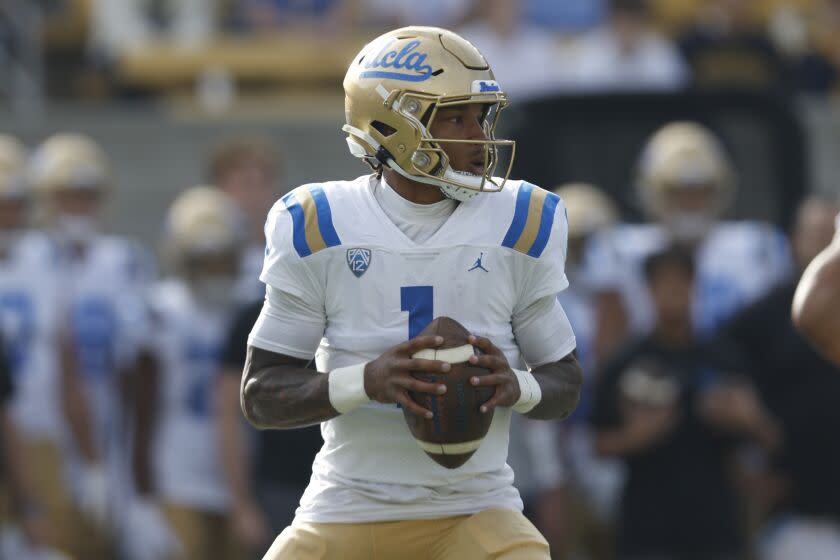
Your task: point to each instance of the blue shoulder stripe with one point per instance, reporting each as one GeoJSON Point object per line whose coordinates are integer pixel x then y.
{"type": "Point", "coordinates": [520, 215]}
{"type": "Point", "coordinates": [546, 221]}
{"type": "Point", "coordinates": [298, 225]}
{"type": "Point", "coordinates": [325, 223]}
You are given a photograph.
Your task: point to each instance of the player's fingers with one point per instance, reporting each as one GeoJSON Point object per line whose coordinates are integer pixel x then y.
{"type": "Point", "coordinates": [489, 379]}
{"type": "Point", "coordinates": [489, 361]}
{"type": "Point", "coordinates": [419, 386]}
{"type": "Point", "coordinates": [484, 344]}
{"type": "Point", "coordinates": [502, 397]}
{"type": "Point", "coordinates": [419, 343]}
{"type": "Point", "coordinates": [419, 364]}
{"type": "Point", "coordinates": [408, 403]}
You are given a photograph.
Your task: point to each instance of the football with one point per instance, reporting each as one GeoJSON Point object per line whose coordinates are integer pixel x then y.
{"type": "Point", "coordinates": [458, 426]}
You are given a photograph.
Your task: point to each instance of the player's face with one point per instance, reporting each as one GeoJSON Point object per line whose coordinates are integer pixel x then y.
{"type": "Point", "coordinates": [12, 214]}
{"type": "Point", "coordinates": [462, 122]}
{"type": "Point", "coordinates": [222, 264]}
{"type": "Point", "coordinates": [671, 290]}
{"type": "Point", "coordinates": [251, 185]}
{"type": "Point", "coordinates": [694, 199]}
{"type": "Point", "coordinates": [78, 202]}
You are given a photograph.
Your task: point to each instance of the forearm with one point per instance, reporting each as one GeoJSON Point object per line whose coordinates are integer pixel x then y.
{"type": "Point", "coordinates": [560, 384]}
{"type": "Point", "coordinates": [234, 457]}
{"type": "Point", "coordinates": [75, 405]}
{"type": "Point", "coordinates": [142, 402]}
{"type": "Point", "coordinates": [20, 487]}
{"type": "Point", "coordinates": [284, 395]}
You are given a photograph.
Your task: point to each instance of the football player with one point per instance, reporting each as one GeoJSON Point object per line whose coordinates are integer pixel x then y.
{"type": "Point", "coordinates": [816, 306]}
{"type": "Point", "coordinates": [191, 317]}
{"type": "Point", "coordinates": [356, 269]}
{"type": "Point", "coordinates": [685, 184]}
{"type": "Point", "coordinates": [31, 415]}
{"type": "Point", "coordinates": [103, 280]}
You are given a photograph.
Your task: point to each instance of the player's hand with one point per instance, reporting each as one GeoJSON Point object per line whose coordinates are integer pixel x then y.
{"type": "Point", "coordinates": [388, 378]}
{"type": "Point", "coordinates": [250, 527]}
{"type": "Point", "coordinates": [148, 535]}
{"type": "Point", "coordinates": [94, 494]}
{"type": "Point", "coordinates": [507, 386]}
{"type": "Point", "coordinates": [645, 425]}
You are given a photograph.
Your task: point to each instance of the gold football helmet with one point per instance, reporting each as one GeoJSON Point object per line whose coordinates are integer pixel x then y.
{"type": "Point", "coordinates": [202, 221]}
{"type": "Point", "coordinates": [393, 90]}
{"type": "Point", "coordinates": [589, 209]}
{"type": "Point", "coordinates": [685, 157]}
{"type": "Point", "coordinates": [69, 161]}
{"type": "Point", "coordinates": [12, 165]}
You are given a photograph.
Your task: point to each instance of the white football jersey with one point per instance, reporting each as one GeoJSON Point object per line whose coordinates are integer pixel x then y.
{"type": "Point", "coordinates": [737, 263]}
{"type": "Point", "coordinates": [29, 316]}
{"type": "Point", "coordinates": [189, 339]}
{"type": "Point", "coordinates": [104, 292]}
{"type": "Point", "coordinates": [332, 247]}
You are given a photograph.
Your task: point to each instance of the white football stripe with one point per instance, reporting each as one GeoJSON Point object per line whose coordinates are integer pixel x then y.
{"type": "Point", "coordinates": [455, 355]}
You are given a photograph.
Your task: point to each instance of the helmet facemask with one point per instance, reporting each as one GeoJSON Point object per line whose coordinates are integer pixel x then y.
{"type": "Point", "coordinates": [431, 164]}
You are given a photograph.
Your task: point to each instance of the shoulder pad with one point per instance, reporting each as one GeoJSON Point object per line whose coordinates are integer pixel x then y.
{"type": "Point", "coordinates": [533, 220]}
{"type": "Point", "coordinates": [312, 223]}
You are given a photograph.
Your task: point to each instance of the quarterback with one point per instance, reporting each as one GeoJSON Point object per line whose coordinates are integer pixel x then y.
{"type": "Point", "coordinates": [356, 269]}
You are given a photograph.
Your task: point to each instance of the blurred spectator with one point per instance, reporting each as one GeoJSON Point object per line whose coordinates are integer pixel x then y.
{"type": "Point", "coordinates": [685, 184]}
{"type": "Point", "coordinates": [265, 493]}
{"type": "Point", "coordinates": [569, 16]}
{"type": "Point", "coordinates": [728, 48]}
{"type": "Point", "coordinates": [802, 391]}
{"type": "Point", "coordinates": [265, 16]}
{"type": "Point", "coordinates": [678, 501]}
{"type": "Point", "coordinates": [119, 26]}
{"type": "Point", "coordinates": [248, 169]}
{"type": "Point", "coordinates": [399, 13]}
{"type": "Point", "coordinates": [629, 54]}
{"type": "Point", "coordinates": [526, 61]}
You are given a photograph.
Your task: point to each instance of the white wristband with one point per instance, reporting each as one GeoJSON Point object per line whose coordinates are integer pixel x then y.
{"type": "Point", "coordinates": [530, 393]}
{"type": "Point", "coordinates": [347, 388]}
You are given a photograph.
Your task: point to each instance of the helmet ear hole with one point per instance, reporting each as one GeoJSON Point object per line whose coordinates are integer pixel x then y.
{"type": "Point", "coordinates": [385, 130]}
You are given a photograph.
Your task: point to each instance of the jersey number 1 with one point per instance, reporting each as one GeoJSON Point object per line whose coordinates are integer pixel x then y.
{"type": "Point", "coordinates": [418, 302]}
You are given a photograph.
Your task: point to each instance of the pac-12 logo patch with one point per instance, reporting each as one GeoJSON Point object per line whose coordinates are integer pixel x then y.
{"type": "Point", "coordinates": [358, 260]}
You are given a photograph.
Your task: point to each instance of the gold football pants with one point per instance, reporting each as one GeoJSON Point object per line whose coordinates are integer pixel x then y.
{"type": "Point", "coordinates": [497, 534]}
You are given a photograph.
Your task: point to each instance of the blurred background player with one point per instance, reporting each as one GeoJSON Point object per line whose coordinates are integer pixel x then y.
{"type": "Point", "coordinates": [25, 530]}
{"type": "Point", "coordinates": [652, 412]}
{"type": "Point", "coordinates": [798, 485]}
{"type": "Point", "coordinates": [192, 312]}
{"type": "Point", "coordinates": [103, 284]}
{"type": "Point", "coordinates": [685, 184]}
{"type": "Point", "coordinates": [47, 397]}
{"type": "Point", "coordinates": [248, 170]}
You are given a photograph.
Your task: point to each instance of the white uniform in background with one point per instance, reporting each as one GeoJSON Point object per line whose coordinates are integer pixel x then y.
{"type": "Point", "coordinates": [736, 263]}
{"type": "Point", "coordinates": [354, 269]}
{"type": "Point", "coordinates": [29, 317]}
{"type": "Point", "coordinates": [248, 287]}
{"type": "Point", "coordinates": [189, 338]}
{"type": "Point", "coordinates": [104, 291]}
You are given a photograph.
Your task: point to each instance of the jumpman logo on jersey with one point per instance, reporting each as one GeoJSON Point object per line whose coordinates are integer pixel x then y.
{"type": "Point", "coordinates": [478, 264]}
